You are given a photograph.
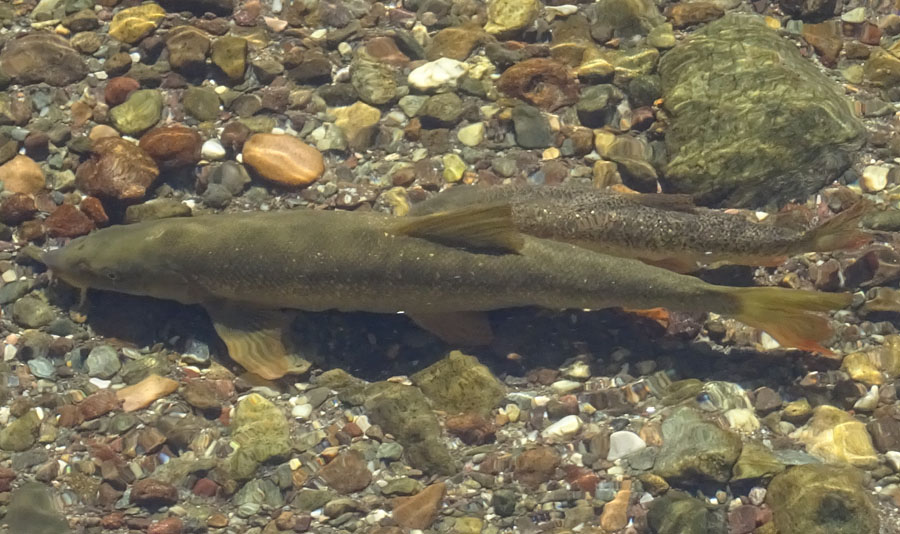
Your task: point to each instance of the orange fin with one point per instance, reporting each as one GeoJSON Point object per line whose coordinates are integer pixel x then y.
{"type": "Point", "coordinates": [840, 232]}
{"type": "Point", "coordinates": [456, 328]}
{"type": "Point", "coordinates": [788, 315]}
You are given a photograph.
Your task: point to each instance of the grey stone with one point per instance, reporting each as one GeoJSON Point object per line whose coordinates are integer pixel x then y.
{"type": "Point", "coordinates": [695, 450]}
{"type": "Point", "coordinates": [531, 127]}
{"type": "Point", "coordinates": [32, 312]}
{"type": "Point", "coordinates": [33, 509]}
{"type": "Point", "coordinates": [102, 362]}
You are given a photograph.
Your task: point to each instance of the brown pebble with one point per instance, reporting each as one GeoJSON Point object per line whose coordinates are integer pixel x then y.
{"type": "Point", "coordinates": [118, 88]}
{"type": "Point", "coordinates": [615, 513]}
{"type": "Point", "coordinates": [420, 510]}
{"type": "Point", "coordinates": [100, 131]}
{"type": "Point", "coordinates": [150, 491]}
{"type": "Point", "coordinates": [205, 487]}
{"type": "Point", "coordinates": [347, 473]}
{"type": "Point", "coordinates": [217, 521]}
{"type": "Point", "coordinates": [172, 146]}
{"type": "Point", "coordinates": [37, 145]}
{"type": "Point", "coordinates": [234, 135]}
{"type": "Point", "coordinates": [118, 169]}
{"type": "Point", "coordinates": [546, 83]}
{"type": "Point", "coordinates": [97, 404]}
{"type": "Point", "coordinates": [68, 221]}
{"type": "Point", "coordinates": [92, 207]}
{"type": "Point", "coordinates": [113, 521]}
{"type": "Point", "coordinates": [22, 175]}
{"type": "Point", "coordinates": [536, 466]}
{"type": "Point", "coordinates": [17, 208]}
{"type": "Point", "coordinates": [169, 525]}
{"type": "Point", "coordinates": [690, 13]}
{"type": "Point", "coordinates": [471, 428]}
{"type": "Point", "coordinates": [69, 416]}
{"type": "Point", "coordinates": [283, 159]}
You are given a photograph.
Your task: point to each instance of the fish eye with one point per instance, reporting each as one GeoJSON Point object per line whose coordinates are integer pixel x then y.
{"type": "Point", "coordinates": [112, 276]}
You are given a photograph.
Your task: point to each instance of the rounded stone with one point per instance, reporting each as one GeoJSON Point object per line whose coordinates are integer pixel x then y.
{"type": "Point", "coordinates": [138, 113]}
{"type": "Point", "coordinates": [172, 146]}
{"type": "Point", "coordinates": [230, 55]}
{"type": "Point", "coordinates": [133, 24]}
{"type": "Point", "coordinates": [102, 362]}
{"type": "Point", "coordinates": [22, 175]}
{"type": "Point", "coordinates": [42, 57]}
{"type": "Point", "coordinates": [201, 103]}
{"type": "Point", "coordinates": [118, 88]}
{"type": "Point", "coordinates": [187, 48]}
{"type": "Point", "coordinates": [510, 15]}
{"type": "Point", "coordinates": [283, 159]}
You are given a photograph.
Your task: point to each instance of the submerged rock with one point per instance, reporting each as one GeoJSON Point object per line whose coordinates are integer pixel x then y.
{"type": "Point", "coordinates": [42, 57]}
{"type": "Point", "coordinates": [834, 435]}
{"type": "Point", "coordinates": [752, 121]}
{"type": "Point", "coordinates": [678, 513]}
{"type": "Point", "coordinates": [696, 450]}
{"type": "Point", "coordinates": [34, 510]}
{"type": "Point", "coordinates": [821, 499]}
{"type": "Point", "coordinates": [263, 433]}
{"type": "Point", "coordinates": [459, 383]}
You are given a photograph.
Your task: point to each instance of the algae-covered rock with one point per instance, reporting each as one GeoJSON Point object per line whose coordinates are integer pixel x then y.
{"type": "Point", "coordinates": [626, 18]}
{"type": "Point", "coordinates": [262, 433]}
{"type": "Point", "coordinates": [34, 510]}
{"type": "Point", "coordinates": [821, 499]}
{"type": "Point", "coordinates": [139, 113]}
{"type": "Point", "coordinates": [678, 513]}
{"type": "Point", "coordinates": [404, 412]}
{"type": "Point", "coordinates": [458, 384]}
{"type": "Point", "coordinates": [755, 462]}
{"type": "Point", "coordinates": [696, 450]}
{"type": "Point", "coordinates": [834, 435]}
{"type": "Point", "coordinates": [20, 434]}
{"type": "Point", "coordinates": [752, 122]}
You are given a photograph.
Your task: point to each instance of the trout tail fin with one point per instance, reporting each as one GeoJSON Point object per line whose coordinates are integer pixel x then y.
{"type": "Point", "coordinates": [840, 232]}
{"type": "Point", "coordinates": [788, 315]}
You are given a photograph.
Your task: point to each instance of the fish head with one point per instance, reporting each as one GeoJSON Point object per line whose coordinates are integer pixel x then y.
{"type": "Point", "coordinates": [122, 259]}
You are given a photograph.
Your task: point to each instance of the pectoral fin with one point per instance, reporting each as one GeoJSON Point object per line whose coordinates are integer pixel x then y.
{"type": "Point", "coordinates": [456, 328]}
{"type": "Point", "coordinates": [254, 339]}
{"type": "Point", "coordinates": [487, 226]}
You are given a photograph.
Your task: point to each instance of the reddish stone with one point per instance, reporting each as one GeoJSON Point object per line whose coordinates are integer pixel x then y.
{"type": "Point", "coordinates": [471, 428]}
{"type": "Point", "coordinates": [347, 473]}
{"type": "Point", "coordinates": [37, 145]}
{"type": "Point", "coordinates": [68, 221]}
{"type": "Point", "coordinates": [17, 208]}
{"type": "Point", "coordinates": [420, 510]}
{"type": "Point", "coordinates": [690, 13]}
{"type": "Point", "coordinates": [172, 146]}
{"type": "Point", "coordinates": [107, 495]}
{"type": "Point", "coordinates": [742, 520]}
{"type": "Point", "coordinates": [153, 492]}
{"type": "Point", "coordinates": [384, 49]}
{"type": "Point", "coordinates": [113, 520]}
{"type": "Point", "coordinates": [205, 488]}
{"type": "Point", "coordinates": [169, 525]}
{"type": "Point", "coordinates": [92, 207]}
{"type": "Point", "coordinates": [118, 169]}
{"type": "Point", "coordinates": [248, 13]}
{"type": "Point", "coordinates": [7, 475]}
{"type": "Point", "coordinates": [234, 135]}
{"type": "Point", "coordinates": [536, 466]}
{"type": "Point", "coordinates": [118, 89]}
{"type": "Point", "coordinates": [352, 430]}
{"type": "Point", "coordinates": [543, 82]}
{"type": "Point", "coordinates": [97, 404]}
{"type": "Point", "coordinates": [69, 416]}
{"type": "Point", "coordinates": [870, 34]}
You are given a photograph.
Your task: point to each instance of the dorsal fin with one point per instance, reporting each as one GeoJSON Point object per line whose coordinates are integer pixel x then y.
{"type": "Point", "coordinates": [668, 202]}
{"type": "Point", "coordinates": [488, 226]}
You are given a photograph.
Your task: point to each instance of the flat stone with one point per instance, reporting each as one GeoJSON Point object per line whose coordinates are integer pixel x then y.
{"type": "Point", "coordinates": [261, 430]}
{"type": "Point", "coordinates": [42, 57]}
{"type": "Point", "coordinates": [420, 510]}
{"type": "Point", "coordinates": [32, 312]}
{"type": "Point", "coordinates": [694, 449]}
{"type": "Point", "coordinates": [140, 112]}
{"type": "Point", "coordinates": [145, 392]}
{"type": "Point", "coordinates": [172, 146]}
{"type": "Point", "coordinates": [152, 492]}
{"type": "Point", "coordinates": [622, 443]}
{"type": "Point", "coordinates": [132, 24]}
{"type": "Point", "coordinates": [283, 159]}
{"type": "Point", "coordinates": [230, 55]}
{"type": "Point", "coordinates": [103, 362]}
{"type": "Point", "coordinates": [187, 48]}
{"type": "Point", "coordinates": [201, 103]}
{"type": "Point", "coordinates": [347, 473]}
{"type": "Point", "coordinates": [20, 434]}
{"type": "Point", "coordinates": [531, 127]}
{"type": "Point", "coordinates": [68, 221]}
{"type": "Point", "coordinates": [536, 466]}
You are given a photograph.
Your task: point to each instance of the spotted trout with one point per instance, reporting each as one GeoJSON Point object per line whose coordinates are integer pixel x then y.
{"type": "Point", "coordinates": [440, 268]}
{"type": "Point", "coordinates": [663, 230]}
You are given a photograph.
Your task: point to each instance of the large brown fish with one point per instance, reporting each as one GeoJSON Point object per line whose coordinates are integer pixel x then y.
{"type": "Point", "coordinates": [663, 230]}
{"type": "Point", "coordinates": [244, 267]}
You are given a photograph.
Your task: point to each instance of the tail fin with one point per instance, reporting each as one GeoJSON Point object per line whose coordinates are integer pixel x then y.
{"type": "Point", "coordinates": [840, 232]}
{"type": "Point", "coordinates": [788, 314]}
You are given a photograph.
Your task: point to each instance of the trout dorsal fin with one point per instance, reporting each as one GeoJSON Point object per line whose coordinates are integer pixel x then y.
{"type": "Point", "coordinates": [487, 226]}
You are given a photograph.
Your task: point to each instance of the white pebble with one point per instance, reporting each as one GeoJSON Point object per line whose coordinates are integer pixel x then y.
{"type": "Point", "coordinates": [540, 400]}
{"type": "Point", "coordinates": [578, 370]}
{"type": "Point", "coordinates": [212, 149]}
{"type": "Point", "coordinates": [742, 420]}
{"type": "Point", "coordinates": [437, 73]}
{"type": "Point", "coordinates": [874, 178]}
{"type": "Point", "coordinates": [623, 443]}
{"type": "Point", "coordinates": [9, 352]}
{"type": "Point", "coordinates": [893, 458]}
{"type": "Point", "coordinates": [10, 276]}
{"type": "Point", "coordinates": [757, 495]}
{"type": "Point", "coordinates": [565, 428]}
{"type": "Point", "coordinates": [101, 75]}
{"type": "Point", "coordinates": [867, 402]}
{"type": "Point", "coordinates": [302, 411]}
{"type": "Point", "coordinates": [100, 383]}
{"type": "Point", "coordinates": [561, 387]}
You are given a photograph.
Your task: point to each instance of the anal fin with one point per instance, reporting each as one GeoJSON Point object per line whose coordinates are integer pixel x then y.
{"type": "Point", "coordinates": [254, 339]}
{"type": "Point", "coordinates": [456, 328]}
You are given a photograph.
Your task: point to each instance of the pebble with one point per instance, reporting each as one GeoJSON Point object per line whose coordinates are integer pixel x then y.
{"type": "Point", "coordinates": [187, 47]}
{"type": "Point", "coordinates": [23, 175]}
{"type": "Point", "coordinates": [140, 112]}
{"type": "Point", "coordinates": [440, 73]}
{"type": "Point", "coordinates": [542, 82]}
{"type": "Point", "coordinates": [471, 135]}
{"type": "Point", "coordinates": [565, 428]}
{"type": "Point", "coordinates": [875, 177]}
{"type": "Point", "coordinates": [357, 122]}
{"type": "Point", "coordinates": [212, 149]}
{"type": "Point", "coordinates": [68, 221]}
{"type": "Point", "coordinates": [117, 169]}
{"type": "Point", "coordinates": [172, 146]}
{"type": "Point", "coordinates": [132, 24]}
{"type": "Point", "coordinates": [420, 510]}
{"type": "Point", "coordinates": [151, 492]}
{"type": "Point", "coordinates": [283, 159]}
{"type": "Point", "coordinates": [834, 435]}
{"type": "Point", "coordinates": [510, 15]}
{"type": "Point", "coordinates": [32, 312]}
{"type": "Point", "coordinates": [42, 57]}
{"type": "Point", "coordinates": [202, 103]}
{"type": "Point", "coordinates": [229, 53]}
{"type": "Point", "coordinates": [347, 473]}
{"type": "Point", "coordinates": [103, 362]}
{"type": "Point", "coordinates": [145, 392]}
{"type": "Point", "coordinates": [622, 443]}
